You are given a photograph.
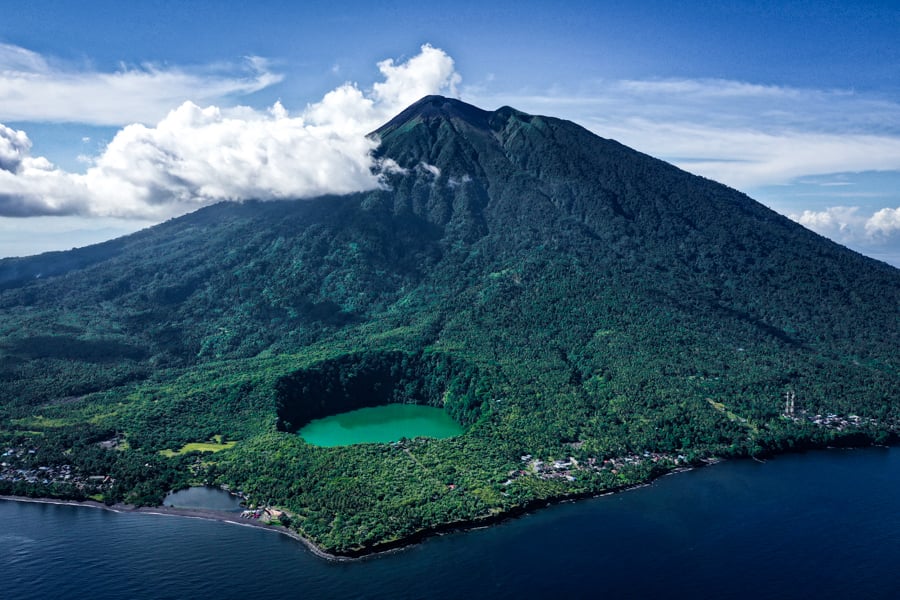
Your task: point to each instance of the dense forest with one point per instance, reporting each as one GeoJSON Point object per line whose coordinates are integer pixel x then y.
{"type": "Point", "coordinates": [592, 316]}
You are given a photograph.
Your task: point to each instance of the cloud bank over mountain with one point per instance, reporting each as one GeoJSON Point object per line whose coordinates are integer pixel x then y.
{"type": "Point", "coordinates": [196, 155]}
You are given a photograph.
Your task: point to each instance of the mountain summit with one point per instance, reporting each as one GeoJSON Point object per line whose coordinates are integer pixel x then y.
{"type": "Point", "coordinates": [437, 108]}
{"type": "Point", "coordinates": [592, 315]}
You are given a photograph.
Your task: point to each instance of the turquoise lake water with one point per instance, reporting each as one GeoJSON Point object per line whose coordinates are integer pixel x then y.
{"type": "Point", "coordinates": [386, 423]}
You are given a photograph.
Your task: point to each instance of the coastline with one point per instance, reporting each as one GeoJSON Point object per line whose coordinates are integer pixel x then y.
{"type": "Point", "coordinates": [366, 551]}
{"type": "Point", "coordinates": [190, 513]}
{"type": "Point", "coordinates": [352, 555]}
{"type": "Point", "coordinates": [513, 513]}
{"type": "Point", "coordinates": [556, 552]}
{"type": "Point", "coordinates": [417, 537]}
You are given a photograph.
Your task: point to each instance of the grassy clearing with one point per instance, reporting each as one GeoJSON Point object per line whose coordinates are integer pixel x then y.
{"type": "Point", "coordinates": [41, 422]}
{"type": "Point", "coordinates": [719, 406]}
{"type": "Point", "coordinates": [214, 445]}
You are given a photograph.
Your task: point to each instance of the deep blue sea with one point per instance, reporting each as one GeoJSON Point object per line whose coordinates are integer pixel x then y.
{"type": "Point", "coordinates": [816, 525]}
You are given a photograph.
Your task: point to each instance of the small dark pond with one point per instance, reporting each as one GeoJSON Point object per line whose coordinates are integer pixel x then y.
{"type": "Point", "coordinates": [206, 498]}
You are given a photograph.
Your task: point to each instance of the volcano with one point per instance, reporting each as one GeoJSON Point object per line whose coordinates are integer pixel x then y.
{"type": "Point", "coordinates": [592, 316]}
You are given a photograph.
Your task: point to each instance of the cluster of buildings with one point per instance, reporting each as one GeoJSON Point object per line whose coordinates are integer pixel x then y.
{"type": "Point", "coordinates": [265, 514]}
{"type": "Point", "coordinates": [829, 421]}
{"type": "Point", "coordinates": [14, 468]}
{"type": "Point", "coordinates": [570, 467]}
{"type": "Point", "coordinates": [838, 422]}
{"type": "Point", "coordinates": [614, 465]}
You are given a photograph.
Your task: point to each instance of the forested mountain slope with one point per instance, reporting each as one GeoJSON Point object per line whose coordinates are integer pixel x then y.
{"type": "Point", "coordinates": [563, 296]}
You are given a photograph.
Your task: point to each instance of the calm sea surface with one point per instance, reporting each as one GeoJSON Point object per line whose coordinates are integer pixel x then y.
{"type": "Point", "coordinates": [818, 525]}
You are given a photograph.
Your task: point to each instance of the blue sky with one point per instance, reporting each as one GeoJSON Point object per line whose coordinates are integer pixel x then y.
{"type": "Point", "coordinates": [795, 103]}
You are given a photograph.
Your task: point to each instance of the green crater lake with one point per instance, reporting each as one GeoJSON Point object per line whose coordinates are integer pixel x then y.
{"type": "Point", "coordinates": [386, 423]}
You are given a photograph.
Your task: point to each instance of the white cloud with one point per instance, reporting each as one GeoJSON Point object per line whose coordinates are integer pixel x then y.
{"type": "Point", "coordinates": [876, 233]}
{"type": "Point", "coordinates": [15, 59]}
{"type": "Point", "coordinates": [420, 76]}
{"type": "Point", "coordinates": [348, 109]}
{"type": "Point", "coordinates": [432, 170]}
{"type": "Point", "coordinates": [196, 156]}
{"type": "Point", "coordinates": [14, 146]}
{"type": "Point", "coordinates": [704, 88]}
{"type": "Point", "coordinates": [33, 89]}
{"type": "Point", "coordinates": [885, 222]}
{"type": "Point", "coordinates": [746, 158]}
{"type": "Point", "coordinates": [844, 222]}
{"type": "Point", "coordinates": [455, 182]}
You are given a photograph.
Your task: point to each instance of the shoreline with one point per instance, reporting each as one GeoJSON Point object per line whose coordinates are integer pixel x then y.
{"type": "Point", "coordinates": [190, 513]}
{"type": "Point", "coordinates": [352, 555]}
{"type": "Point", "coordinates": [401, 543]}
{"type": "Point", "coordinates": [513, 513]}
{"type": "Point", "coordinates": [364, 552]}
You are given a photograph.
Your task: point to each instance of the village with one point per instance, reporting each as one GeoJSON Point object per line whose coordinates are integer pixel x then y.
{"type": "Point", "coordinates": [828, 421]}
{"type": "Point", "coordinates": [839, 423]}
{"type": "Point", "coordinates": [570, 467]}
{"type": "Point", "coordinates": [14, 468]}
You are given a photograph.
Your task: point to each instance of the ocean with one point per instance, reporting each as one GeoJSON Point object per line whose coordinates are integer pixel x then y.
{"type": "Point", "coordinates": [822, 524]}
